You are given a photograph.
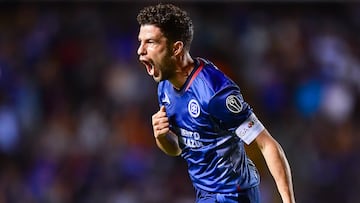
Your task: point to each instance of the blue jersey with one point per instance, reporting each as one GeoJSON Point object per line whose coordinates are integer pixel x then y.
{"type": "Point", "coordinates": [209, 116]}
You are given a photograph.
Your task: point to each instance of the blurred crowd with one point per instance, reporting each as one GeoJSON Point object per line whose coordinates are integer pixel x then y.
{"type": "Point", "coordinates": [75, 104]}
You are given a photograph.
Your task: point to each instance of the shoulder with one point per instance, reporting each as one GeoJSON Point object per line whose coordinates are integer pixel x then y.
{"type": "Point", "coordinates": [161, 89]}
{"type": "Point", "coordinates": [214, 77]}
{"type": "Point", "coordinates": [163, 85]}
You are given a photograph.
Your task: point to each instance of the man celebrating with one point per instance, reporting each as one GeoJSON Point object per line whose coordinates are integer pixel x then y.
{"type": "Point", "coordinates": [203, 116]}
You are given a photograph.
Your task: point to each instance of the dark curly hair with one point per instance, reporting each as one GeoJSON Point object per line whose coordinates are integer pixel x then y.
{"type": "Point", "coordinates": [174, 23]}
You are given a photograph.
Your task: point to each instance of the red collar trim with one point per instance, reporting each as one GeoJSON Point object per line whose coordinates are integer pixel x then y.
{"type": "Point", "coordinates": [195, 74]}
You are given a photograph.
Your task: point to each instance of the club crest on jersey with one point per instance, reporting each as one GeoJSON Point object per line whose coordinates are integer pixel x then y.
{"type": "Point", "coordinates": [194, 108]}
{"type": "Point", "coordinates": [233, 103]}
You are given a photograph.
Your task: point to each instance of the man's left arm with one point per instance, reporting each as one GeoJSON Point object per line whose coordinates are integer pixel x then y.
{"type": "Point", "coordinates": [233, 113]}
{"type": "Point", "coordinates": [278, 165]}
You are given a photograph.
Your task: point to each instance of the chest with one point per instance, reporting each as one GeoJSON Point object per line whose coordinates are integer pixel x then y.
{"type": "Point", "coordinates": [188, 110]}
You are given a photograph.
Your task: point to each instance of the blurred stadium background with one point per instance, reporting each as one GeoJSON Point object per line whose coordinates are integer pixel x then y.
{"type": "Point", "coordinates": [75, 105]}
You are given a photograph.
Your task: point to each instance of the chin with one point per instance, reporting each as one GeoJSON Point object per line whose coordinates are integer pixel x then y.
{"type": "Point", "coordinates": [157, 79]}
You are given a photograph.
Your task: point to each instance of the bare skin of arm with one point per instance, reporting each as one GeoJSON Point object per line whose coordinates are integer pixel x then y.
{"type": "Point", "coordinates": [278, 165]}
{"type": "Point", "coordinates": [166, 140]}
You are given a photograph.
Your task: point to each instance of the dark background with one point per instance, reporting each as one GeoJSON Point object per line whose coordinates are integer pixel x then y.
{"type": "Point", "coordinates": [75, 104]}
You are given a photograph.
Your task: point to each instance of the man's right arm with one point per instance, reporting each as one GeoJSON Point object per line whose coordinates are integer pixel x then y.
{"type": "Point", "coordinates": [166, 140]}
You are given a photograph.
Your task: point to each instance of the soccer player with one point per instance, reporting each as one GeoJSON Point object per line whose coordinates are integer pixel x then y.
{"type": "Point", "coordinates": [203, 116]}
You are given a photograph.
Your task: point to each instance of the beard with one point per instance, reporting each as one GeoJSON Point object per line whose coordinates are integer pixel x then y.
{"type": "Point", "coordinates": [167, 68]}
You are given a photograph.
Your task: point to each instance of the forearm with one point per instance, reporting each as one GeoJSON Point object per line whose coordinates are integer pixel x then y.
{"type": "Point", "coordinates": [278, 165]}
{"type": "Point", "coordinates": [280, 170]}
{"type": "Point", "coordinates": [169, 144]}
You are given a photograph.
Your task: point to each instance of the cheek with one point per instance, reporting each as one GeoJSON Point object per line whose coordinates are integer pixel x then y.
{"type": "Point", "coordinates": [162, 50]}
{"type": "Point", "coordinates": [160, 56]}
{"type": "Point", "coordinates": [153, 52]}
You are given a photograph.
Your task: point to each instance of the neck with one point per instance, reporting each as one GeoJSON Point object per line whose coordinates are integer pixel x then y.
{"type": "Point", "coordinates": [185, 66]}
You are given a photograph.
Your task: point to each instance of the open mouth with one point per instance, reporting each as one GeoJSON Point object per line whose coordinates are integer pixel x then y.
{"type": "Point", "coordinates": [149, 67]}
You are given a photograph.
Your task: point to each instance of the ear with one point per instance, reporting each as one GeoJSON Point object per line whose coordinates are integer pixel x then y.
{"type": "Point", "coordinates": [178, 47]}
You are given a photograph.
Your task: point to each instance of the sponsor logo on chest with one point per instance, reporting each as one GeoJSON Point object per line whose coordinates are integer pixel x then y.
{"type": "Point", "coordinates": [190, 138]}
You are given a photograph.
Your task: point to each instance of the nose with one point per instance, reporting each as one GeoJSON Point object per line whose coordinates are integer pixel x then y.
{"type": "Point", "coordinates": [141, 50]}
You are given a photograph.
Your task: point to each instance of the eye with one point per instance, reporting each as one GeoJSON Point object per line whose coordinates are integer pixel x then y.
{"type": "Point", "coordinates": [150, 41]}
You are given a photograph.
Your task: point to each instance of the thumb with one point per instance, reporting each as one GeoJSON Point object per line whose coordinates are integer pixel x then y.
{"type": "Point", "coordinates": [162, 109]}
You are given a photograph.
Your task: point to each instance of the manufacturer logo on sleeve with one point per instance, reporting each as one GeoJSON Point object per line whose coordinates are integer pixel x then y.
{"type": "Point", "coordinates": [233, 103]}
{"type": "Point", "coordinates": [165, 99]}
{"type": "Point", "coordinates": [194, 108]}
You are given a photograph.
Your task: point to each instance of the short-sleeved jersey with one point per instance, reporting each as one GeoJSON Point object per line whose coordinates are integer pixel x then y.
{"type": "Point", "coordinates": [205, 115]}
